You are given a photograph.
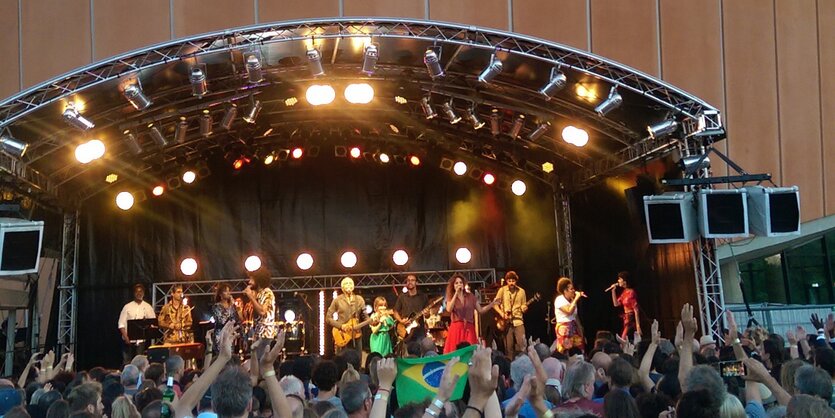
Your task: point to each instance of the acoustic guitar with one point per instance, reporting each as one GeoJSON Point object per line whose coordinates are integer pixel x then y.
{"type": "Point", "coordinates": [404, 331]}
{"type": "Point", "coordinates": [501, 323]}
{"type": "Point", "coordinates": [342, 338]}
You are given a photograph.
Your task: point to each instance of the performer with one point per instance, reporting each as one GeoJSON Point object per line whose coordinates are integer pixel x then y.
{"type": "Point", "coordinates": [348, 306]}
{"type": "Point", "coordinates": [568, 330]}
{"type": "Point", "coordinates": [511, 308]}
{"type": "Point", "coordinates": [223, 311]}
{"type": "Point", "coordinates": [410, 305]}
{"type": "Point", "coordinates": [175, 319]}
{"type": "Point", "coordinates": [380, 340]}
{"type": "Point", "coordinates": [629, 300]}
{"type": "Point", "coordinates": [462, 306]}
{"type": "Point", "coordinates": [263, 304]}
{"type": "Point", "coordinates": [135, 309]}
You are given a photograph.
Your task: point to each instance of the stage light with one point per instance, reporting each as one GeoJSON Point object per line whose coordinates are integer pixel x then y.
{"type": "Point", "coordinates": [318, 95]}
{"type": "Point", "coordinates": [158, 190]}
{"type": "Point", "coordinates": [124, 200]}
{"type": "Point", "coordinates": [304, 261]}
{"type": "Point", "coordinates": [297, 153]}
{"type": "Point", "coordinates": [189, 177]}
{"type": "Point", "coordinates": [491, 71]}
{"type": "Point", "coordinates": [414, 160]}
{"type": "Point", "coordinates": [400, 100]}
{"type": "Point", "coordinates": [460, 168]}
{"type": "Point", "coordinates": [518, 124]}
{"type": "Point", "coordinates": [518, 187]}
{"type": "Point", "coordinates": [355, 152]}
{"type": "Point", "coordinates": [206, 123]}
{"type": "Point", "coordinates": [428, 111]}
{"type": "Point", "coordinates": [269, 159]}
{"type": "Point", "coordinates": [450, 112]}
{"type": "Point", "coordinates": [472, 117]}
{"type": "Point", "coordinates": [586, 92]}
{"type": "Point", "coordinates": [555, 83]}
{"type": "Point", "coordinates": [348, 259]}
{"type": "Point", "coordinates": [360, 93]}
{"type": "Point", "coordinates": [547, 167]}
{"type": "Point", "coordinates": [314, 62]}
{"type": "Point", "coordinates": [133, 93]}
{"type": "Point", "coordinates": [73, 118]}
{"type": "Point", "coordinates": [400, 257]}
{"type": "Point", "coordinates": [13, 146]}
{"type": "Point", "coordinates": [229, 117]}
{"type": "Point", "coordinates": [393, 128]}
{"type": "Point", "coordinates": [253, 112]}
{"type": "Point", "coordinates": [188, 266]}
{"type": "Point", "coordinates": [463, 255]}
{"type": "Point", "coordinates": [370, 58]}
{"type": "Point", "coordinates": [611, 103]}
{"type": "Point", "coordinates": [181, 130]}
{"type": "Point", "coordinates": [489, 179]}
{"type": "Point", "coordinates": [321, 322]}
{"type": "Point", "coordinates": [495, 122]}
{"type": "Point", "coordinates": [433, 64]}
{"type": "Point", "coordinates": [111, 178]}
{"type": "Point", "coordinates": [289, 315]}
{"type": "Point", "coordinates": [240, 162]}
{"type": "Point", "coordinates": [252, 263]}
{"type": "Point", "coordinates": [197, 78]}
{"type": "Point", "coordinates": [253, 69]}
{"type": "Point", "coordinates": [575, 136]}
{"type": "Point", "coordinates": [89, 151]}
{"type": "Point", "coordinates": [539, 131]}
{"type": "Point", "coordinates": [662, 129]}
{"type": "Point", "coordinates": [156, 135]}
{"type": "Point", "coordinates": [384, 158]}
{"type": "Point", "coordinates": [693, 163]}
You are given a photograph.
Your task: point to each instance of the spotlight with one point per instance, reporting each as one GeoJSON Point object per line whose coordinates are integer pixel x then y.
{"type": "Point", "coordinates": [156, 135]}
{"type": "Point", "coordinates": [13, 146]}
{"type": "Point", "coordinates": [400, 257]}
{"type": "Point", "coordinates": [252, 263]}
{"type": "Point", "coordinates": [518, 187]}
{"type": "Point", "coordinates": [348, 259]}
{"type": "Point", "coordinates": [384, 158]}
{"type": "Point", "coordinates": [289, 315]}
{"type": "Point", "coordinates": [304, 261]}
{"type": "Point", "coordinates": [450, 113]}
{"type": "Point", "coordinates": [189, 177]}
{"type": "Point", "coordinates": [111, 178]}
{"type": "Point", "coordinates": [555, 84]}
{"type": "Point", "coordinates": [74, 118]}
{"type": "Point", "coordinates": [611, 103]}
{"type": "Point", "coordinates": [229, 117]}
{"type": "Point", "coordinates": [433, 64]}
{"type": "Point", "coordinates": [269, 158]}
{"type": "Point", "coordinates": [240, 162]}
{"type": "Point", "coordinates": [575, 136]}
{"type": "Point", "coordinates": [495, 122]}
{"type": "Point", "coordinates": [124, 200]}
{"type": "Point", "coordinates": [463, 255]}
{"type": "Point", "coordinates": [400, 100]}
{"type": "Point", "coordinates": [158, 190]}
{"type": "Point", "coordinates": [472, 117]}
{"type": "Point", "coordinates": [370, 59]}
{"type": "Point", "coordinates": [297, 153]}
{"type": "Point", "coordinates": [181, 130]}
{"type": "Point", "coordinates": [89, 151]}
{"type": "Point", "coordinates": [691, 164]}
{"type": "Point", "coordinates": [138, 99]}
{"type": "Point", "coordinates": [314, 61]}
{"type": "Point", "coordinates": [539, 131]}
{"type": "Point", "coordinates": [414, 160]}
{"type": "Point", "coordinates": [428, 111]}
{"type": "Point", "coordinates": [460, 168]}
{"type": "Point", "coordinates": [253, 69]}
{"type": "Point", "coordinates": [253, 112]}
{"type": "Point", "coordinates": [491, 71]}
{"type": "Point", "coordinates": [662, 129]}
{"type": "Point", "coordinates": [547, 167]}
{"type": "Point", "coordinates": [131, 142]}
{"type": "Point", "coordinates": [394, 129]}
{"type": "Point", "coordinates": [361, 93]}
{"type": "Point", "coordinates": [197, 78]}
{"type": "Point", "coordinates": [320, 94]}
{"type": "Point", "coordinates": [206, 123]}
{"type": "Point", "coordinates": [355, 152]}
{"type": "Point", "coordinates": [518, 124]}
{"type": "Point", "coordinates": [489, 179]}
{"type": "Point", "coordinates": [188, 266]}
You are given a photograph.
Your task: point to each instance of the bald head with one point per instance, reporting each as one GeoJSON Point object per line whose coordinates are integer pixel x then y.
{"type": "Point", "coordinates": [601, 362]}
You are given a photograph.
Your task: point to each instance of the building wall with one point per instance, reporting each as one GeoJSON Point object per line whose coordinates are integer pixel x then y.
{"type": "Point", "coordinates": [760, 62]}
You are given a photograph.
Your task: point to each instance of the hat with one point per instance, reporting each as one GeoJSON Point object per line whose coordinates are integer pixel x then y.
{"type": "Point", "coordinates": [706, 340]}
{"type": "Point", "coordinates": [9, 398]}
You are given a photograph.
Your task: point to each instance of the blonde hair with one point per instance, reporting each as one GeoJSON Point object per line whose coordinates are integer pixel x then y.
{"type": "Point", "coordinates": [348, 376]}
{"type": "Point", "coordinates": [732, 408]}
{"type": "Point", "coordinates": [123, 408]}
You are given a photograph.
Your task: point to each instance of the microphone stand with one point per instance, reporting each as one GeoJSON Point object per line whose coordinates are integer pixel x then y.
{"type": "Point", "coordinates": [548, 318]}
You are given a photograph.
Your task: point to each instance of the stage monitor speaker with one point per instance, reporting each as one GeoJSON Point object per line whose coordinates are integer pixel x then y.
{"type": "Point", "coordinates": [20, 246]}
{"type": "Point", "coordinates": [774, 211]}
{"type": "Point", "coordinates": [671, 218]}
{"type": "Point", "coordinates": [723, 213]}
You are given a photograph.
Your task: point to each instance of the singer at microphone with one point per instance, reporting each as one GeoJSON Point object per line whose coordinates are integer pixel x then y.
{"type": "Point", "coordinates": [568, 330]}
{"type": "Point", "coordinates": [629, 300]}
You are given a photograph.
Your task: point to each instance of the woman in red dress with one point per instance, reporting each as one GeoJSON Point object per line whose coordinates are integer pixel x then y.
{"type": "Point", "coordinates": [629, 300]}
{"type": "Point", "coordinates": [462, 306]}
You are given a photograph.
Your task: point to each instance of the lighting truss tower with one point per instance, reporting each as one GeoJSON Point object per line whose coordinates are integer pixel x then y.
{"type": "Point", "coordinates": [562, 222]}
{"type": "Point", "coordinates": [68, 304]}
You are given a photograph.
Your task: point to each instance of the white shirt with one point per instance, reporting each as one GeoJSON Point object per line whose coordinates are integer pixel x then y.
{"type": "Point", "coordinates": [561, 316]}
{"type": "Point", "coordinates": [133, 310]}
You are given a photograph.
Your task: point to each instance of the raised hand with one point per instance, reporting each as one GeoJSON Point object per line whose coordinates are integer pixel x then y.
{"type": "Point", "coordinates": [267, 361]}
{"type": "Point", "coordinates": [70, 362]}
{"type": "Point", "coordinates": [829, 327]}
{"type": "Point", "coordinates": [801, 333]}
{"type": "Point", "coordinates": [483, 377]}
{"type": "Point", "coordinates": [791, 338]}
{"type": "Point", "coordinates": [227, 337]}
{"type": "Point", "coordinates": [688, 321]}
{"type": "Point", "coordinates": [449, 380]}
{"type": "Point", "coordinates": [755, 371]}
{"type": "Point", "coordinates": [387, 372]}
{"type": "Point", "coordinates": [679, 334]}
{"type": "Point", "coordinates": [515, 405]}
{"type": "Point", "coordinates": [733, 330]}
{"type": "Point", "coordinates": [656, 335]}
{"type": "Point", "coordinates": [816, 321]}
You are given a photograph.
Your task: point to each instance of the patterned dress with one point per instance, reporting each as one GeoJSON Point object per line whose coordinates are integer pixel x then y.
{"type": "Point", "coordinates": [629, 300]}
{"type": "Point", "coordinates": [222, 316]}
{"type": "Point", "coordinates": [567, 330]}
{"type": "Point", "coordinates": [264, 325]}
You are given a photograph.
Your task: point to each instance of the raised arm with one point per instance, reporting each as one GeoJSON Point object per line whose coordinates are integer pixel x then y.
{"type": "Point", "coordinates": [486, 308]}
{"type": "Point", "coordinates": [646, 361]}
{"type": "Point", "coordinates": [685, 363]}
{"type": "Point", "coordinates": [195, 392]}
{"type": "Point", "coordinates": [615, 301]}
{"type": "Point", "coordinates": [21, 383]}
{"type": "Point", "coordinates": [386, 373]}
{"type": "Point", "coordinates": [733, 335]}
{"type": "Point", "coordinates": [281, 408]}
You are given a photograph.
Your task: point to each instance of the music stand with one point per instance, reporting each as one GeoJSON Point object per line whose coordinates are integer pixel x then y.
{"type": "Point", "coordinates": [143, 329]}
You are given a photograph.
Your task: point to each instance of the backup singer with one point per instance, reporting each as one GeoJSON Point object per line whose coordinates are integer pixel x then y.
{"type": "Point", "coordinates": [223, 311]}
{"type": "Point", "coordinates": [347, 306]}
{"type": "Point", "coordinates": [462, 306]}
{"type": "Point", "coordinates": [135, 309]}
{"type": "Point", "coordinates": [629, 300]}
{"type": "Point", "coordinates": [380, 341]}
{"type": "Point", "coordinates": [568, 330]}
{"type": "Point", "coordinates": [411, 305]}
{"type": "Point", "coordinates": [511, 308]}
{"type": "Point", "coordinates": [175, 319]}
{"type": "Point", "coordinates": [263, 304]}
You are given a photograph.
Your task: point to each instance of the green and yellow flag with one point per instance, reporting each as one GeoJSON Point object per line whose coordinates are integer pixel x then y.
{"type": "Point", "coordinates": [418, 378]}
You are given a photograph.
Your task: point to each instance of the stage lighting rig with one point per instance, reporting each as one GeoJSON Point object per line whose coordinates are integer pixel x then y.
{"type": "Point", "coordinates": [491, 71]}
{"type": "Point", "coordinates": [253, 112]}
{"type": "Point", "coordinates": [518, 124]}
{"type": "Point", "coordinates": [556, 82]}
{"type": "Point", "coordinates": [74, 118]}
{"type": "Point", "coordinates": [124, 200]}
{"type": "Point", "coordinates": [229, 117]}
{"type": "Point", "coordinates": [433, 64]}
{"type": "Point", "coordinates": [89, 151]}
{"type": "Point", "coordinates": [369, 59]}
{"type": "Point", "coordinates": [662, 129]}
{"type": "Point", "coordinates": [133, 93]}
{"type": "Point", "coordinates": [518, 187]}
{"type": "Point", "coordinates": [254, 74]}
{"type": "Point", "coordinates": [131, 142]}
{"type": "Point", "coordinates": [156, 135]}
{"type": "Point", "coordinates": [611, 103]}
{"type": "Point", "coordinates": [428, 110]}
{"type": "Point", "coordinates": [540, 130]}
{"type": "Point", "coordinates": [449, 112]}
{"type": "Point", "coordinates": [206, 123]}
{"type": "Point", "coordinates": [575, 136]}
{"type": "Point", "coordinates": [314, 62]}
{"type": "Point", "coordinates": [181, 130]}
{"type": "Point", "coordinates": [495, 122]}
{"type": "Point", "coordinates": [13, 146]}
{"type": "Point", "coordinates": [197, 78]}
{"type": "Point", "coordinates": [472, 116]}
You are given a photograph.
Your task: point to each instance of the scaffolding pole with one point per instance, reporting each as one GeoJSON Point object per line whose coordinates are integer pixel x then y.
{"type": "Point", "coordinates": [68, 305]}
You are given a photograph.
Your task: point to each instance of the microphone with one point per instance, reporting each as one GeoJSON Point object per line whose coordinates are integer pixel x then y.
{"type": "Point", "coordinates": [611, 287]}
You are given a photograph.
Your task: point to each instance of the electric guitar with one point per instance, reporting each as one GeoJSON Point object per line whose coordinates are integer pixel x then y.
{"type": "Point", "coordinates": [405, 330]}
{"type": "Point", "coordinates": [342, 338]}
{"type": "Point", "coordinates": [501, 323]}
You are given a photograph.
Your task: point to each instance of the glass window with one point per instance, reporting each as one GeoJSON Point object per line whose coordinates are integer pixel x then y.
{"type": "Point", "coordinates": [763, 280]}
{"type": "Point", "coordinates": [808, 274]}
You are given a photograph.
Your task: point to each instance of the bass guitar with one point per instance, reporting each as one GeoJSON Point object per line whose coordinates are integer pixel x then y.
{"type": "Point", "coordinates": [342, 338]}
{"type": "Point", "coordinates": [405, 330]}
{"type": "Point", "coordinates": [501, 323]}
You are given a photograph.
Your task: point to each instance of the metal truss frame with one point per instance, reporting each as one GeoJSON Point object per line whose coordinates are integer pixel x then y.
{"type": "Point", "coordinates": [562, 222]}
{"type": "Point", "coordinates": [161, 291]}
{"type": "Point", "coordinates": [67, 294]}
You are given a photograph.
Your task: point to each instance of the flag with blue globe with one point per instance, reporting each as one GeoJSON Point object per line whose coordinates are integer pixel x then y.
{"type": "Point", "coordinates": [418, 378]}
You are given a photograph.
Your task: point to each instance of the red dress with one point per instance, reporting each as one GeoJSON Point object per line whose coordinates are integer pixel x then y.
{"type": "Point", "coordinates": [629, 300]}
{"type": "Point", "coordinates": [462, 327]}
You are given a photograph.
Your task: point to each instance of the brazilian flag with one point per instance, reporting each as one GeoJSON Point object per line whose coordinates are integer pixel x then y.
{"type": "Point", "coordinates": [418, 378]}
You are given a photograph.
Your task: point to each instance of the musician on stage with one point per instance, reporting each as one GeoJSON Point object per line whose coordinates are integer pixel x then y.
{"type": "Point", "coordinates": [135, 309]}
{"type": "Point", "coordinates": [409, 307]}
{"type": "Point", "coordinates": [462, 306]}
{"type": "Point", "coordinates": [223, 311]}
{"type": "Point", "coordinates": [629, 300]}
{"type": "Point", "coordinates": [511, 308]}
{"type": "Point", "coordinates": [347, 306]}
{"type": "Point", "coordinates": [380, 341]}
{"type": "Point", "coordinates": [568, 330]}
{"type": "Point", "coordinates": [175, 319]}
{"type": "Point", "coordinates": [262, 299]}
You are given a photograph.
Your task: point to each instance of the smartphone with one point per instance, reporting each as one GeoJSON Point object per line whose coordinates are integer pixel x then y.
{"type": "Point", "coordinates": [732, 369]}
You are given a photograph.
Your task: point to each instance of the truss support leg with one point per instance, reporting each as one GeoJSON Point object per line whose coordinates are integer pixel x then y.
{"type": "Point", "coordinates": [68, 305]}
{"type": "Point", "coordinates": [562, 222]}
{"type": "Point", "coordinates": [709, 288]}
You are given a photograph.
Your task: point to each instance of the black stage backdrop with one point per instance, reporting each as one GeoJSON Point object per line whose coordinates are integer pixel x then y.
{"type": "Point", "coordinates": [324, 206]}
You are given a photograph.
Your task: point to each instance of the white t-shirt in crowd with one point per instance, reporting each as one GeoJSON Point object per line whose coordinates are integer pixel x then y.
{"type": "Point", "coordinates": [561, 316]}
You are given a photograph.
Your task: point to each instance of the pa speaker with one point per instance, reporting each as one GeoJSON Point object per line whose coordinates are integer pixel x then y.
{"type": "Point", "coordinates": [774, 212]}
{"type": "Point", "coordinates": [20, 246]}
{"type": "Point", "coordinates": [671, 218]}
{"type": "Point", "coordinates": [723, 213]}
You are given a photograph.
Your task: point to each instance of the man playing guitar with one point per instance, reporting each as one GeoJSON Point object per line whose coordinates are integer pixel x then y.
{"type": "Point", "coordinates": [511, 307]}
{"type": "Point", "coordinates": [350, 310]}
{"type": "Point", "coordinates": [409, 307]}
